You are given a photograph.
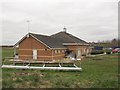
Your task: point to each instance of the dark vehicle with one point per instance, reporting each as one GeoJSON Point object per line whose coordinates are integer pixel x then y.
{"type": "Point", "coordinates": [98, 47]}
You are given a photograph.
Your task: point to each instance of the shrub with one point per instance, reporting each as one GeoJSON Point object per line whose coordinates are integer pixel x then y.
{"type": "Point", "coordinates": [97, 52]}
{"type": "Point", "coordinates": [108, 52]}
{"type": "Point", "coordinates": [83, 54]}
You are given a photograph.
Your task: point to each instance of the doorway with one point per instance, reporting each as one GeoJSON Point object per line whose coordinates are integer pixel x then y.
{"type": "Point", "coordinates": [78, 53]}
{"type": "Point", "coordinates": [34, 54]}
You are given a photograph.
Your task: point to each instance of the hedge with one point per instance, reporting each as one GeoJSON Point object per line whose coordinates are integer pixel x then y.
{"type": "Point", "coordinates": [97, 52]}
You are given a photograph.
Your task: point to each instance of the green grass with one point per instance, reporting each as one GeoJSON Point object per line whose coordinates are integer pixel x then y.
{"type": "Point", "coordinates": [98, 72]}
{"type": "Point", "coordinates": [7, 52]}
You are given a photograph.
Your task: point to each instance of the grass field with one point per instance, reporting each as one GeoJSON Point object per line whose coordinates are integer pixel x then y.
{"type": "Point", "coordinates": [98, 72]}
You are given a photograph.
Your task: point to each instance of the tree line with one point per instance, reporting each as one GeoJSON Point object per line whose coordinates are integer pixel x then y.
{"type": "Point", "coordinates": [107, 43]}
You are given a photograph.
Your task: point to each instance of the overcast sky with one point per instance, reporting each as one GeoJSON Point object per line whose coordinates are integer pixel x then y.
{"type": "Point", "coordinates": [90, 20]}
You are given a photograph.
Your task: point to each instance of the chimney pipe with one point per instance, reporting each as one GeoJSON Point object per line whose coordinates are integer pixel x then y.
{"type": "Point", "coordinates": [64, 29]}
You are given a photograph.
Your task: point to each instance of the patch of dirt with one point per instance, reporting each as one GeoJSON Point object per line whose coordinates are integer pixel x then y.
{"type": "Point", "coordinates": [114, 56]}
{"type": "Point", "coordinates": [22, 74]}
{"type": "Point", "coordinates": [38, 74]}
{"type": "Point", "coordinates": [45, 84]}
{"type": "Point", "coordinates": [97, 59]}
{"type": "Point", "coordinates": [27, 74]}
{"type": "Point", "coordinates": [14, 79]}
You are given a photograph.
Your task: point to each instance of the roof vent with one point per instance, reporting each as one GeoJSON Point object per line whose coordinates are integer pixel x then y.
{"type": "Point", "coordinates": [64, 29]}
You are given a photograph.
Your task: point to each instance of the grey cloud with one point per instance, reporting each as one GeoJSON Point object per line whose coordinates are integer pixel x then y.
{"type": "Point", "coordinates": [90, 21]}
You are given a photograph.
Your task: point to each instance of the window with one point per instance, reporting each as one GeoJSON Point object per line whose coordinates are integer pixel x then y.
{"type": "Point", "coordinates": [87, 50]}
{"type": "Point", "coordinates": [63, 51]}
{"type": "Point", "coordinates": [55, 51]}
{"type": "Point", "coordinates": [58, 51]}
{"type": "Point", "coordinates": [84, 50]}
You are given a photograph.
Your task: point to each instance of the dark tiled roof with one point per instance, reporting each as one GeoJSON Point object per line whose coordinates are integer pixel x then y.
{"type": "Point", "coordinates": [49, 41]}
{"type": "Point", "coordinates": [57, 40]}
{"type": "Point", "coordinates": [68, 38]}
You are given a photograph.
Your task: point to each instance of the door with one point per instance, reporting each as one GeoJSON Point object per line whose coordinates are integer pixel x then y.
{"type": "Point", "coordinates": [78, 54]}
{"type": "Point", "coordinates": [35, 54]}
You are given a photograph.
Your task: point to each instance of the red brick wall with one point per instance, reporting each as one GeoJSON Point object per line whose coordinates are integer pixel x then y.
{"type": "Point", "coordinates": [26, 47]}
{"type": "Point", "coordinates": [44, 53]}
{"type": "Point", "coordinates": [82, 48]}
{"type": "Point", "coordinates": [58, 53]}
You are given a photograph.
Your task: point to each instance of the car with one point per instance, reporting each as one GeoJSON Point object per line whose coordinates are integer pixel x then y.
{"type": "Point", "coordinates": [116, 50]}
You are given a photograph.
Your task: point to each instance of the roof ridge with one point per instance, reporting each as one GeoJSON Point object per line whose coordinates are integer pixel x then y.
{"type": "Point", "coordinates": [57, 33]}
{"type": "Point", "coordinates": [39, 34]}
